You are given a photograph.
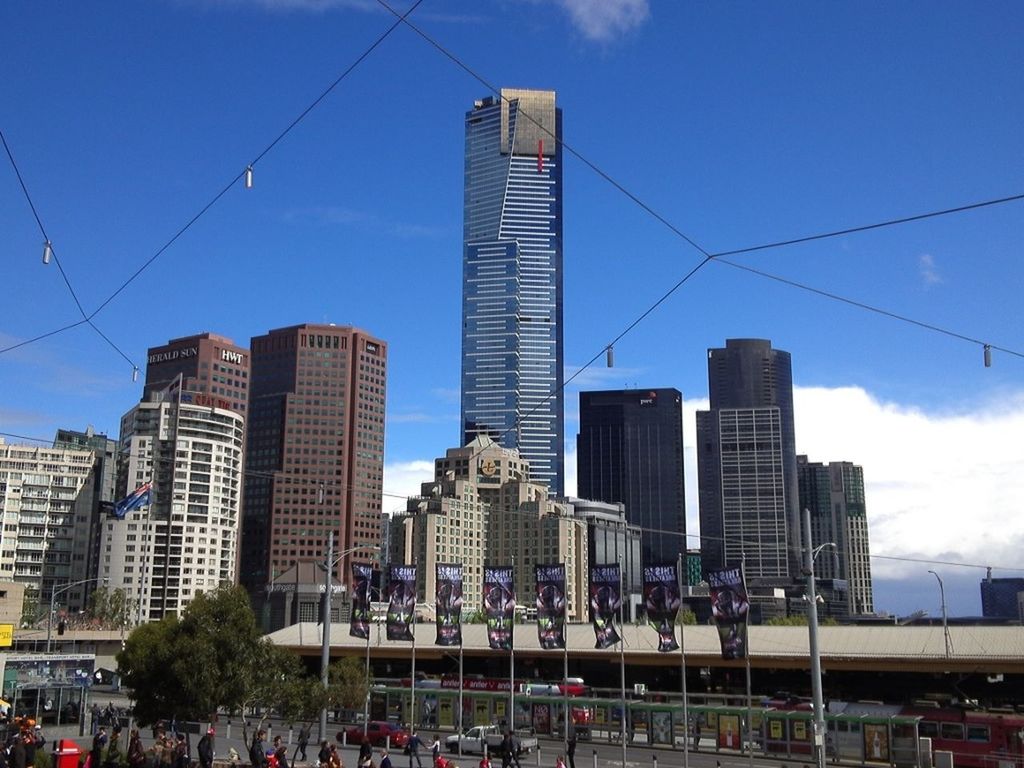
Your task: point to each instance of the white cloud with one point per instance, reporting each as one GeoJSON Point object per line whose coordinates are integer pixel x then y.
{"type": "Point", "coordinates": [403, 479]}
{"type": "Point", "coordinates": [943, 487]}
{"type": "Point", "coordinates": [926, 266]}
{"type": "Point", "coordinates": [939, 486]}
{"type": "Point", "coordinates": [604, 19]}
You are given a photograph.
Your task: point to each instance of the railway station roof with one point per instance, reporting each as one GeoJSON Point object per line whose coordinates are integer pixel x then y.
{"type": "Point", "coordinates": [975, 649]}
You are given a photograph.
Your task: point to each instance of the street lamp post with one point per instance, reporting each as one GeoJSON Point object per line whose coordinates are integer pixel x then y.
{"type": "Point", "coordinates": [53, 600]}
{"type": "Point", "coordinates": [810, 553]}
{"type": "Point", "coordinates": [945, 619]}
{"type": "Point", "coordinates": [330, 561]}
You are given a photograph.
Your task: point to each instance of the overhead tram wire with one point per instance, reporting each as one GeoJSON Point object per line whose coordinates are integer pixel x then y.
{"type": "Point", "coordinates": [314, 482]}
{"type": "Point", "coordinates": [751, 249]}
{"type": "Point", "coordinates": [708, 256]}
{"type": "Point", "coordinates": [867, 307]}
{"type": "Point", "coordinates": [60, 267]}
{"type": "Point", "coordinates": [216, 198]}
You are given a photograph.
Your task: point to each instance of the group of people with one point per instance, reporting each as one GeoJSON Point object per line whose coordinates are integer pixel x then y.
{"type": "Point", "coordinates": [168, 750]}
{"type": "Point", "coordinates": [24, 743]}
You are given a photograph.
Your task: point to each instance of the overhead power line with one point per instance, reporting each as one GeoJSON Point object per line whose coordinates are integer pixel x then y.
{"type": "Point", "coordinates": [52, 252]}
{"type": "Point", "coordinates": [244, 173]}
{"type": "Point", "coordinates": [708, 256]}
{"type": "Point", "coordinates": [296, 479]}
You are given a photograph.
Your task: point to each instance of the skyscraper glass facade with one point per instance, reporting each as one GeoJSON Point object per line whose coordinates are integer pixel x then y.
{"type": "Point", "coordinates": [512, 351]}
{"type": "Point", "coordinates": [630, 450]}
{"type": "Point", "coordinates": [746, 463]}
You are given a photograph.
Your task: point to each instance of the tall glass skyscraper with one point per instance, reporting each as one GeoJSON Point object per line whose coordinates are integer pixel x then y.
{"type": "Point", "coordinates": [746, 463]}
{"type": "Point", "coordinates": [512, 351]}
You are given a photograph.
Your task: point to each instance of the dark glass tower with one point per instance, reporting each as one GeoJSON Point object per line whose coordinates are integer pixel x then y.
{"type": "Point", "coordinates": [630, 450]}
{"type": "Point", "coordinates": [512, 355]}
{"type": "Point", "coordinates": [746, 462]}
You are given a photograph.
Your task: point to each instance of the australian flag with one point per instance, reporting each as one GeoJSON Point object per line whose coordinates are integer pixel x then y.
{"type": "Point", "coordinates": [140, 497]}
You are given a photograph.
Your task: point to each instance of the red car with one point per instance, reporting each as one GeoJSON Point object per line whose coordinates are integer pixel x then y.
{"type": "Point", "coordinates": [377, 731]}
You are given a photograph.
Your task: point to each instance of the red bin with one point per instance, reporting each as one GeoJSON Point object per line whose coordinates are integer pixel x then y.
{"type": "Point", "coordinates": [67, 754]}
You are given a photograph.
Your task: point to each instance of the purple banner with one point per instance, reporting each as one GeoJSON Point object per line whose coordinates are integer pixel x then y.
{"type": "Point", "coordinates": [448, 604]}
{"type": "Point", "coordinates": [605, 602]}
{"type": "Point", "coordinates": [550, 605]}
{"type": "Point", "coordinates": [729, 607]}
{"type": "Point", "coordinates": [661, 602]}
{"type": "Point", "coordinates": [401, 601]}
{"type": "Point", "coordinates": [360, 624]}
{"type": "Point", "coordinates": [499, 606]}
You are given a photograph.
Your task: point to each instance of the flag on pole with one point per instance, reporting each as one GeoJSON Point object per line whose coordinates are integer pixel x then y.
{"type": "Point", "coordinates": [360, 624]}
{"type": "Point", "coordinates": [605, 602]}
{"type": "Point", "coordinates": [140, 497]}
{"type": "Point", "coordinates": [729, 607]}
{"type": "Point", "coordinates": [499, 606]}
{"type": "Point", "coordinates": [401, 601]}
{"type": "Point", "coordinates": [551, 605]}
{"type": "Point", "coordinates": [448, 598]}
{"type": "Point", "coordinates": [661, 601]}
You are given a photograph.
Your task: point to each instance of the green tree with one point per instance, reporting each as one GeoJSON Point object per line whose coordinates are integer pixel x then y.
{"type": "Point", "coordinates": [348, 687]}
{"type": "Point", "coordinates": [212, 657]}
{"type": "Point", "coordinates": [686, 617]}
{"type": "Point", "coordinates": [110, 607]}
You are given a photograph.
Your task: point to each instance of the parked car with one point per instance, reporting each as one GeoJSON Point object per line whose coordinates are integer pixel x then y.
{"type": "Point", "coordinates": [378, 732]}
{"type": "Point", "coordinates": [474, 739]}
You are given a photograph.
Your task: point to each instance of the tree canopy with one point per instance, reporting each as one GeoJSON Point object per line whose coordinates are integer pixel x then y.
{"type": "Point", "coordinates": [215, 658]}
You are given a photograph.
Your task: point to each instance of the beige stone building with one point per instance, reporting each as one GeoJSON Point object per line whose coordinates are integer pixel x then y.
{"type": "Point", "coordinates": [482, 508]}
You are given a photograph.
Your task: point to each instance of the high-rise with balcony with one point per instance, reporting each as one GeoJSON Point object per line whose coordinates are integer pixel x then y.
{"type": "Point", "coordinates": [314, 450]}
{"type": "Point", "coordinates": [512, 351]}
{"type": "Point", "coordinates": [42, 492]}
{"type": "Point", "coordinates": [746, 463]}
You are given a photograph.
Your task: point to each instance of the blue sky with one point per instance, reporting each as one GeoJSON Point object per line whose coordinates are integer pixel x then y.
{"type": "Point", "coordinates": [740, 123]}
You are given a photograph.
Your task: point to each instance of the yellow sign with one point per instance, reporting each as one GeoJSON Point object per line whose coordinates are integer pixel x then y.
{"type": "Point", "coordinates": [6, 635]}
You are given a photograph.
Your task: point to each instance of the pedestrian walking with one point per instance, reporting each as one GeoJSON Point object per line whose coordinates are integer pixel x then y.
{"type": "Point", "coordinates": [280, 752]}
{"type": "Point", "coordinates": [303, 742]}
{"type": "Point", "coordinates": [136, 752]}
{"type": "Point", "coordinates": [435, 748]}
{"type": "Point", "coordinates": [324, 755]}
{"type": "Point", "coordinates": [365, 754]}
{"type": "Point", "coordinates": [385, 759]}
{"type": "Point", "coordinates": [182, 758]}
{"type": "Point", "coordinates": [99, 741]}
{"type": "Point", "coordinates": [257, 753]}
{"type": "Point", "coordinates": [570, 749]}
{"type": "Point", "coordinates": [113, 758]}
{"type": "Point", "coordinates": [414, 749]}
{"type": "Point", "coordinates": [205, 749]}
{"type": "Point", "coordinates": [696, 736]}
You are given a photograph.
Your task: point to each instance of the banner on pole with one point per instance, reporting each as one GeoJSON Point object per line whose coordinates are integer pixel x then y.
{"type": "Point", "coordinates": [499, 606]}
{"type": "Point", "coordinates": [360, 624]}
{"type": "Point", "coordinates": [661, 602]}
{"type": "Point", "coordinates": [605, 602]}
{"type": "Point", "coordinates": [730, 606]}
{"type": "Point", "coordinates": [448, 604]}
{"type": "Point", "coordinates": [401, 601]}
{"type": "Point", "coordinates": [551, 605]}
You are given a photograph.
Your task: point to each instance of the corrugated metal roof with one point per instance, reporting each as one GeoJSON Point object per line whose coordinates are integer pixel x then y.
{"type": "Point", "coordinates": [977, 648]}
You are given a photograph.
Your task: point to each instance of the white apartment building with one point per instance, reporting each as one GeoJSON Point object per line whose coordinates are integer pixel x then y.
{"type": "Point", "coordinates": [185, 541]}
{"type": "Point", "coordinates": [42, 490]}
